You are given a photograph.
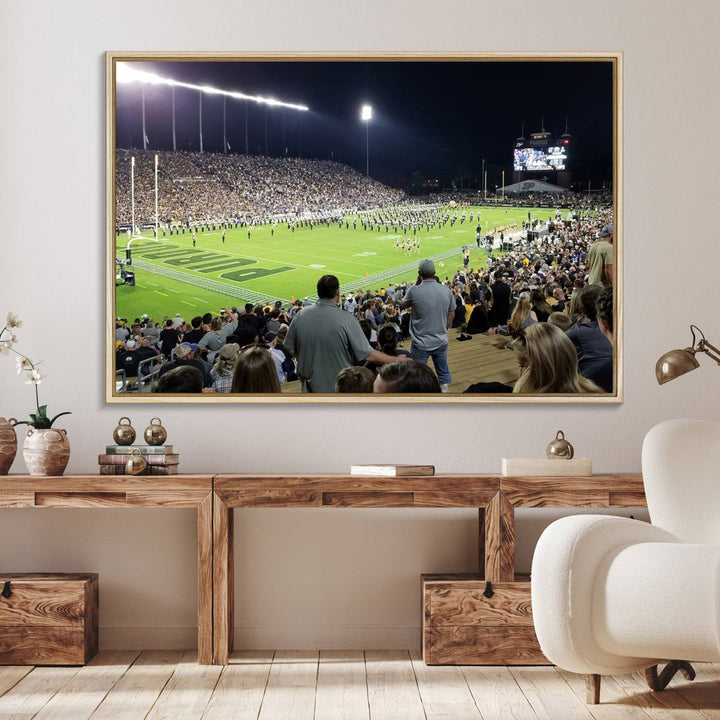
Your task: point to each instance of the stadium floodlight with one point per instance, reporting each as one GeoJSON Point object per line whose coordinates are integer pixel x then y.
{"type": "Point", "coordinates": [366, 117]}
{"type": "Point", "coordinates": [126, 73]}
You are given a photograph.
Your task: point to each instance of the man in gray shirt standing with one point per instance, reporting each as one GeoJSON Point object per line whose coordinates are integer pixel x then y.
{"type": "Point", "coordinates": [324, 339]}
{"type": "Point", "coordinates": [432, 308]}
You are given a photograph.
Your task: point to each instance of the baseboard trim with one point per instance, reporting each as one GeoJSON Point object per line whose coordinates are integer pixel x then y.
{"type": "Point", "coordinates": [150, 637]}
{"type": "Point", "coordinates": [327, 637]}
{"type": "Point", "coordinates": [266, 636]}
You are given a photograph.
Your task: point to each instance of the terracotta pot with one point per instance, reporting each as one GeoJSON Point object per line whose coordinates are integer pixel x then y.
{"type": "Point", "coordinates": [46, 452]}
{"type": "Point", "coordinates": [8, 444]}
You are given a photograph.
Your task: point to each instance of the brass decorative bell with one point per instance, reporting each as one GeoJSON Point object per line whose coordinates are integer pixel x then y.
{"type": "Point", "coordinates": [136, 463]}
{"type": "Point", "coordinates": [560, 448]}
{"type": "Point", "coordinates": [124, 433]}
{"type": "Point", "coordinates": [155, 434]}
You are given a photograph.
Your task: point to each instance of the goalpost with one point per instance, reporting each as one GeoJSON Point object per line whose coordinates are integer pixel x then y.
{"type": "Point", "coordinates": [134, 232]}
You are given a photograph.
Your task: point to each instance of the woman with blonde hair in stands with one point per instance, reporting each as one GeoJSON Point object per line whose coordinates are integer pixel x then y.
{"type": "Point", "coordinates": [548, 362]}
{"type": "Point", "coordinates": [255, 371]}
{"type": "Point", "coordinates": [522, 316]}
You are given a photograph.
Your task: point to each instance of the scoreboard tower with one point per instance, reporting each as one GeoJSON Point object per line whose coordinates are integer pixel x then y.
{"type": "Point", "coordinates": [542, 156]}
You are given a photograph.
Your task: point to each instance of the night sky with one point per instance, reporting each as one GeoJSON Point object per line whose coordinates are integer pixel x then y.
{"type": "Point", "coordinates": [439, 119]}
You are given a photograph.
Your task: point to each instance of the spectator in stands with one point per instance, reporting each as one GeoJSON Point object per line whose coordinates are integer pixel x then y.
{"type": "Point", "coordinates": [387, 343]}
{"type": "Point", "coordinates": [501, 296]}
{"type": "Point", "coordinates": [478, 321]}
{"type": "Point", "coordinates": [355, 380]}
{"type": "Point", "coordinates": [591, 344]}
{"type": "Point", "coordinates": [324, 340]}
{"type": "Point", "coordinates": [185, 356]}
{"type": "Point", "coordinates": [289, 362]}
{"type": "Point", "coordinates": [169, 338]}
{"type": "Point", "coordinates": [122, 333]}
{"type": "Point", "coordinates": [559, 297]}
{"type": "Point", "coordinates": [548, 362]}
{"type": "Point", "coordinates": [561, 320]}
{"type": "Point", "coordinates": [185, 379]}
{"type": "Point", "coordinates": [219, 331]}
{"type": "Point", "coordinates": [195, 335]}
{"type": "Point", "coordinates": [601, 371]}
{"type": "Point", "coordinates": [408, 377]}
{"type": "Point", "coordinates": [522, 316]}
{"type": "Point", "coordinates": [249, 322]}
{"type": "Point", "coordinates": [150, 331]}
{"type": "Point", "coordinates": [274, 322]}
{"type": "Point", "coordinates": [222, 372]}
{"type": "Point", "coordinates": [540, 305]}
{"type": "Point", "coordinates": [432, 309]}
{"type": "Point", "coordinates": [459, 317]}
{"type": "Point", "coordinates": [600, 258]}
{"type": "Point", "coordinates": [255, 371]}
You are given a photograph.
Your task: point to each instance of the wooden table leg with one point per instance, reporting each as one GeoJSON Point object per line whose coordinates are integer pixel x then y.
{"type": "Point", "coordinates": [499, 518]}
{"type": "Point", "coordinates": [481, 541]}
{"type": "Point", "coordinates": [223, 581]}
{"type": "Point", "coordinates": [205, 580]}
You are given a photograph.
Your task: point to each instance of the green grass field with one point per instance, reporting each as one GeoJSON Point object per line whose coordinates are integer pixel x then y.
{"type": "Point", "coordinates": [173, 277]}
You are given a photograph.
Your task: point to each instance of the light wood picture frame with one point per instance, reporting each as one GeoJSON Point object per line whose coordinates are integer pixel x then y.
{"type": "Point", "coordinates": [193, 111]}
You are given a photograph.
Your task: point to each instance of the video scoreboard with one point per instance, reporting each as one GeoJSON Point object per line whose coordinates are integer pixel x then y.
{"type": "Point", "coordinates": [542, 153]}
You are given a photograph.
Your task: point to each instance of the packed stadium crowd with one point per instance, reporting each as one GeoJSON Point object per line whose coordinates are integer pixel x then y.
{"type": "Point", "coordinates": [215, 187]}
{"type": "Point", "coordinates": [550, 295]}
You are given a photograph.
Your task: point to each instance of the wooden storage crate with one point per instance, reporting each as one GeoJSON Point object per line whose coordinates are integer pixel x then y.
{"type": "Point", "coordinates": [461, 626]}
{"type": "Point", "coordinates": [48, 618]}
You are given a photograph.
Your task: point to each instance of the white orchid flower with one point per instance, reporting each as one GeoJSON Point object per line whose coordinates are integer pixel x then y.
{"type": "Point", "coordinates": [24, 364]}
{"type": "Point", "coordinates": [13, 320]}
{"type": "Point", "coordinates": [5, 347]}
{"type": "Point", "coordinates": [35, 377]}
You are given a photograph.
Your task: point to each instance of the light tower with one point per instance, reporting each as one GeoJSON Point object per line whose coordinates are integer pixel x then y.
{"type": "Point", "coordinates": [366, 117]}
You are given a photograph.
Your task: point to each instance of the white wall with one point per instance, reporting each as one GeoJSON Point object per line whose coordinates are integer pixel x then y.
{"type": "Point", "coordinates": [331, 578]}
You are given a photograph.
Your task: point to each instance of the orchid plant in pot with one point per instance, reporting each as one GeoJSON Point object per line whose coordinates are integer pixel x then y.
{"type": "Point", "coordinates": [46, 449]}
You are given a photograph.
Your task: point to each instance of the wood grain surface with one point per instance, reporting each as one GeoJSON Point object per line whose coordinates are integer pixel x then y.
{"type": "Point", "coordinates": [610, 490]}
{"type": "Point", "coordinates": [49, 619]}
{"type": "Point", "coordinates": [358, 491]}
{"type": "Point", "coordinates": [499, 540]}
{"type": "Point", "coordinates": [29, 645]}
{"type": "Point", "coordinates": [223, 580]}
{"type": "Point", "coordinates": [502, 645]}
{"type": "Point", "coordinates": [463, 603]}
{"type": "Point", "coordinates": [127, 491]}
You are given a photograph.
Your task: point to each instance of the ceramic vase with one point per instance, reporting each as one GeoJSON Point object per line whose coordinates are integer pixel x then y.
{"type": "Point", "coordinates": [8, 445]}
{"type": "Point", "coordinates": [46, 451]}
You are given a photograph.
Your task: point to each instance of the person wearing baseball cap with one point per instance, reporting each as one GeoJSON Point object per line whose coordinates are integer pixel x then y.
{"type": "Point", "coordinates": [432, 308]}
{"type": "Point", "coordinates": [601, 258]}
{"type": "Point", "coordinates": [185, 355]}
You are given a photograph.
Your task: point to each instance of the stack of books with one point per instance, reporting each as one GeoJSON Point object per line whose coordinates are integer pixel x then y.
{"type": "Point", "coordinates": [160, 459]}
{"type": "Point", "coordinates": [392, 470]}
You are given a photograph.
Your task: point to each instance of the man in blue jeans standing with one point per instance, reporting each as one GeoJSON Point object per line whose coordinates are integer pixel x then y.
{"type": "Point", "coordinates": [432, 309]}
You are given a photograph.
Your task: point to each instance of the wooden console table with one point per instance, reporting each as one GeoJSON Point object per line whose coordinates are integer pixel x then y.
{"type": "Point", "coordinates": [92, 491]}
{"type": "Point", "coordinates": [215, 497]}
{"type": "Point", "coordinates": [495, 497]}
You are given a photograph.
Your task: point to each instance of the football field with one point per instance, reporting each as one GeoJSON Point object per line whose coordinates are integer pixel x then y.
{"type": "Point", "coordinates": [263, 264]}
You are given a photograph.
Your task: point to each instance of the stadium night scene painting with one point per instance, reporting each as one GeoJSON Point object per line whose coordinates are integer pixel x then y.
{"type": "Point", "coordinates": [237, 182]}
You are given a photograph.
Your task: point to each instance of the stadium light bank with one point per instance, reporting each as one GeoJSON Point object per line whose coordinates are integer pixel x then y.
{"type": "Point", "coordinates": [126, 74]}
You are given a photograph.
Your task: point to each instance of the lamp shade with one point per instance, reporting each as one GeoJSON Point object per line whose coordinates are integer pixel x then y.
{"type": "Point", "coordinates": [675, 363]}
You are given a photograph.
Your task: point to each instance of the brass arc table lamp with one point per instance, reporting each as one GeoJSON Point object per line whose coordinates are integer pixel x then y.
{"type": "Point", "coordinates": [678, 362]}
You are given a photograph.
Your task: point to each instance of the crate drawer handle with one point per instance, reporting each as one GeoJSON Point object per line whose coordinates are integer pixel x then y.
{"type": "Point", "coordinates": [488, 592]}
{"type": "Point", "coordinates": [6, 592]}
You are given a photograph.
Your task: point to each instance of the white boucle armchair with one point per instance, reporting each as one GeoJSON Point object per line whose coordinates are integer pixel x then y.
{"type": "Point", "coordinates": [613, 595]}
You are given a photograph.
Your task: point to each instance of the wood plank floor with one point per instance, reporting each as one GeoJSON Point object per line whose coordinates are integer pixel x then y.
{"type": "Point", "coordinates": [346, 685]}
